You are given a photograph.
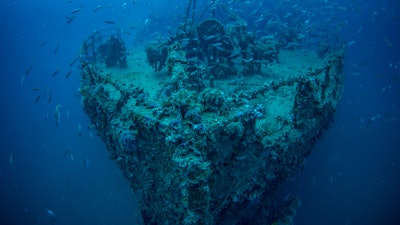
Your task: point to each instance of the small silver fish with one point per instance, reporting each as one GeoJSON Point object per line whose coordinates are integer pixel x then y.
{"type": "Point", "coordinates": [193, 59]}
{"type": "Point", "coordinates": [46, 117]}
{"type": "Point", "coordinates": [67, 117]}
{"type": "Point", "coordinates": [79, 130]}
{"type": "Point", "coordinates": [210, 37]}
{"type": "Point", "coordinates": [37, 99]}
{"type": "Point", "coordinates": [77, 10]}
{"type": "Point", "coordinates": [351, 43]}
{"type": "Point", "coordinates": [248, 60]}
{"type": "Point", "coordinates": [86, 162]}
{"type": "Point", "coordinates": [21, 81]}
{"type": "Point", "coordinates": [97, 8]}
{"type": "Point", "coordinates": [68, 74]}
{"type": "Point", "coordinates": [50, 97]}
{"type": "Point", "coordinates": [57, 115]}
{"type": "Point", "coordinates": [73, 61]}
{"type": "Point", "coordinates": [69, 19]}
{"type": "Point", "coordinates": [57, 47]}
{"type": "Point", "coordinates": [56, 72]}
{"type": "Point", "coordinates": [109, 21]}
{"type": "Point", "coordinates": [28, 70]}
{"type": "Point", "coordinates": [218, 46]}
{"type": "Point", "coordinates": [51, 213]}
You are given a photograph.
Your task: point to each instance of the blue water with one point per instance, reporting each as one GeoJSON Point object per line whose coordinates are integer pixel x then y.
{"type": "Point", "coordinates": [352, 176]}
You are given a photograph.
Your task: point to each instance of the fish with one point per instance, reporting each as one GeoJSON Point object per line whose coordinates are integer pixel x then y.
{"type": "Point", "coordinates": [234, 55]}
{"type": "Point", "coordinates": [67, 151]}
{"type": "Point", "coordinates": [79, 130]}
{"type": "Point", "coordinates": [37, 99]}
{"type": "Point", "coordinates": [237, 61]}
{"type": "Point", "coordinates": [351, 43]}
{"type": "Point", "coordinates": [248, 60]}
{"type": "Point", "coordinates": [11, 159]}
{"type": "Point", "coordinates": [132, 27]}
{"type": "Point", "coordinates": [46, 118]}
{"type": "Point", "coordinates": [97, 8]}
{"type": "Point", "coordinates": [68, 74]}
{"type": "Point", "coordinates": [207, 38]}
{"type": "Point", "coordinates": [184, 39]}
{"type": "Point", "coordinates": [386, 88]}
{"type": "Point", "coordinates": [303, 164]}
{"type": "Point", "coordinates": [69, 19]}
{"type": "Point", "coordinates": [67, 119]}
{"type": "Point", "coordinates": [56, 72]}
{"type": "Point", "coordinates": [57, 115]}
{"type": "Point", "coordinates": [41, 44]}
{"type": "Point", "coordinates": [342, 8]}
{"type": "Point", "coordinates": [56, 48]}
{"type": "Point", "coordinates": [372, 119]}
{"type": "Point", "coordinates": [28, 70]}
{"type": "Point", "coordinates": [193, 59]}
{"type": "Point", "coordinates": [124, 4]}
{"type": "Point", "coordinates": [77, 9]}
{"type": "Point", "coordinates": [388, 43]}
{"type": "Point", "coordinates": [218, 46]}
{"type": "Point", "coordinates": [287, 196]}
{"type": "Point", "coordinates": [260, 19]}
{"type": "Point", "coordinates": [50, 97]}
{"type": "Point", "coordinates": [21, 81]}
{"type": "Point", "coordinates": [313, 181]}
{"type": "Point", "coordinates": [109, 21]}
{"type": "Point", "coordinates": [73, 61]}
{"type": "Point", "coordinates": [51, 213]}
{"type": "Point", "coordinates": [90, 127]}
{"type": "Point", "coordinates": [86, 162]}
{"type": "Point", "coordinates": [35, 89]}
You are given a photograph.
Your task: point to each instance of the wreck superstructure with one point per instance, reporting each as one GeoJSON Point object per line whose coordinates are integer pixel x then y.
{"type": "Point", "coordinates": [206, 125]}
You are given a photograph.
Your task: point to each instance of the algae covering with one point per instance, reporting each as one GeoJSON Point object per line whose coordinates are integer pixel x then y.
{"type": "Point", "coordinates": [207, 125]}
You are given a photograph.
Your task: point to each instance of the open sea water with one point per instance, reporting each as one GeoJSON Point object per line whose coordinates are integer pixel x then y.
{"type": "Point", "coordinates": [60, 173]}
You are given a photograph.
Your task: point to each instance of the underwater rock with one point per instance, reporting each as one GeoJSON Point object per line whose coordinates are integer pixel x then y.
{"type": "Point", "coordinates": [214, 152]}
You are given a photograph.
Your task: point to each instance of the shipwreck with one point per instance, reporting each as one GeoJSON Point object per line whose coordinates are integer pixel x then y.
{"type": "Point", "coordinates": [207, 124]}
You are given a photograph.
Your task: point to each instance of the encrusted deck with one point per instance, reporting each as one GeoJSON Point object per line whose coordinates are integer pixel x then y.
{"type": "Point", "coordinates": [279, 102]}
